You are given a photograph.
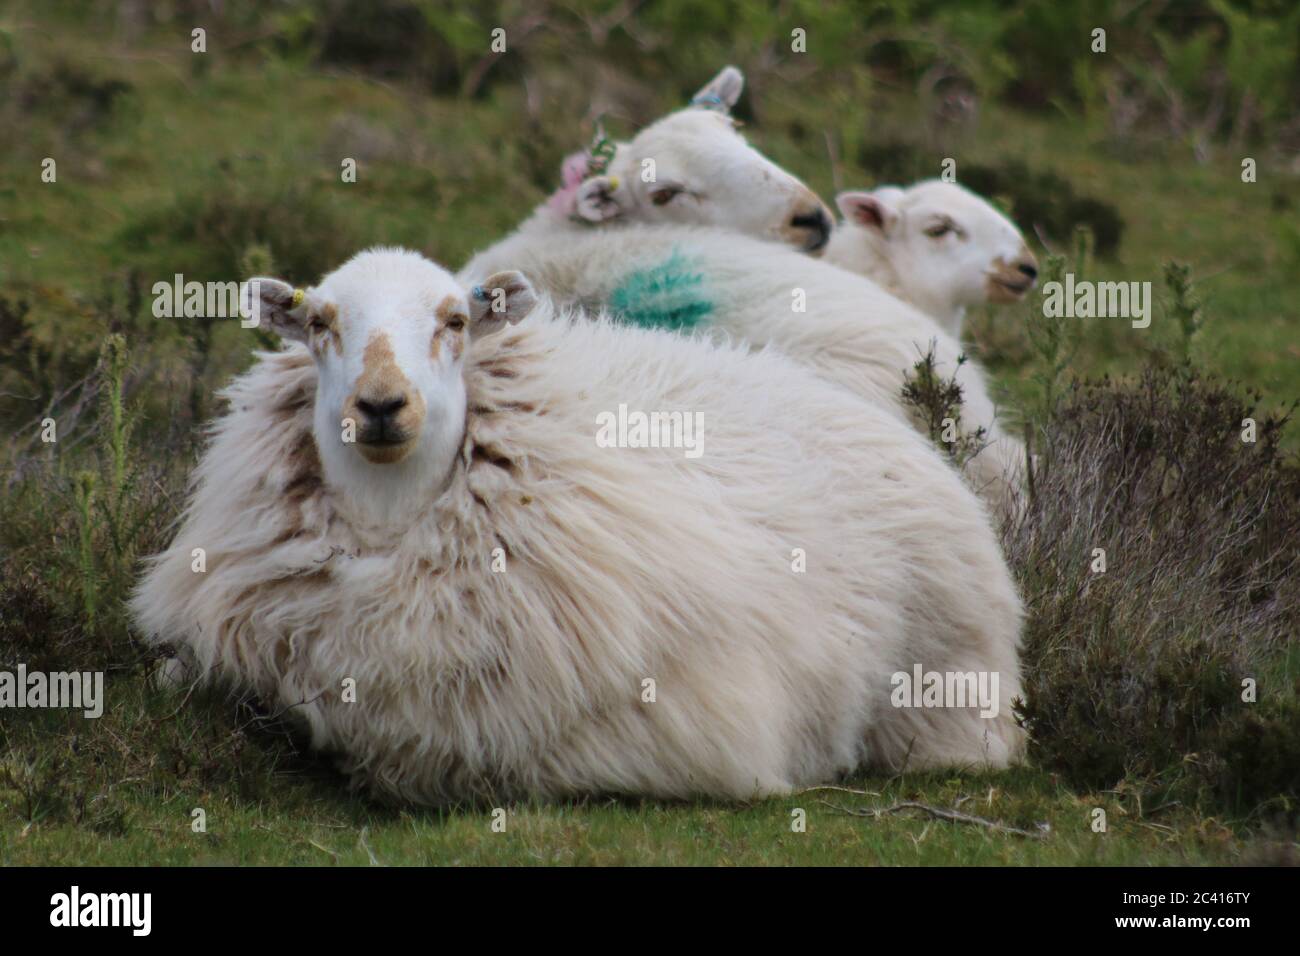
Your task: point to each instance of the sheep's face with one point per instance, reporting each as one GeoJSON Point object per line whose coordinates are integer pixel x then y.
{"type": "Point", "coordinates": [694, 168]}
{"type": "Point", "coordinates": [388, 331]}
{"type": "Point", "coordinates": [946, 248]}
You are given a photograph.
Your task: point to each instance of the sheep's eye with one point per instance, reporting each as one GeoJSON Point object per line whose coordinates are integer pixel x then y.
{"type": "Point", "coordinates": [318, 325]}
{"type": "Point", "coordinates": [664, 195]}
{"type": "Point", "coordinates": [456, 323]}
{"type": "Point", "coordinates": [939, 229]}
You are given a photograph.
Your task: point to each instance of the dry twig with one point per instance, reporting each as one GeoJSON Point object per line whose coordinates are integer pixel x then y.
{"type": "Point", "coordinates": [953, 816]}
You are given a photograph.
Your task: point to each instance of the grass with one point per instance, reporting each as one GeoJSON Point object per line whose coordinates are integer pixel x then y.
{"type": "Point", "coordinates": [225, 166]}
{"type": "Point", "coordinates": [298, 833]}
{"type": "Point", "coordinates": [290, 812]}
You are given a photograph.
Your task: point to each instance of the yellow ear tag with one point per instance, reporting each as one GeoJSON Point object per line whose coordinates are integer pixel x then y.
{"type": "Point", "coordinates": [613, 183]}
{"type": "Point", "coordinates": [298, 296]}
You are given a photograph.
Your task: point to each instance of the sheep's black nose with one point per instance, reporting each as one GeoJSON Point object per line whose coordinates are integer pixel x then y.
{"type": "Point", "coordinates": [818, 222]}
{"type": "Point", "coordinates": [381, 409]}
{"type": "Point", "coordinates": [1029, 269]}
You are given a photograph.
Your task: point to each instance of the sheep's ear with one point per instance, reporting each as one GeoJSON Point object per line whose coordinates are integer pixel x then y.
{"type": "Point", "coordinates": [721, 92]}
{"type": "Point", "coordinates": [875, 210]}
{"type": "Point", "coordinates": [503, 297]}
{"type": "Point", "coordinates": [597, 199]}
{"type": "Point", "coordinates": [277, 305]}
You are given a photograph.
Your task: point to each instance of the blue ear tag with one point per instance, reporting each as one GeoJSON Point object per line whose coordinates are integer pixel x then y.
{"type": "Point", "coordinates": [709, 100]}
{"type": "Point", "coordinates": [479, 293]}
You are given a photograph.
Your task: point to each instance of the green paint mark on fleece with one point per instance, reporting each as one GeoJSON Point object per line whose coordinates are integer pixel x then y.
{"type": "Point", "coordinates": [666, 296]}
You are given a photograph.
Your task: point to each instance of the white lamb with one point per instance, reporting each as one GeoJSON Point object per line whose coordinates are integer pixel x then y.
{"type": "Point", "coordinates": [935, 244]}
{"type": "Point", "coordinates": [692, 167]}
{"type": "Point", "coordinates": [517, 612]}
{"type": "Point", "coordinates": [844, 326]}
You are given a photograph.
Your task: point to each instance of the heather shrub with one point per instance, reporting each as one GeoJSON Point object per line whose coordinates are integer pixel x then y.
{"type": "Point", "coordinates": [1159, 556]}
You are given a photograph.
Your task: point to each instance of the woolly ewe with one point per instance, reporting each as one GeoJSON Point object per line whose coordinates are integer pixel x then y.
{"type": "Point", "coordinates": [843, 326]}
{"type": "Point", "coordinates": [497, 590]}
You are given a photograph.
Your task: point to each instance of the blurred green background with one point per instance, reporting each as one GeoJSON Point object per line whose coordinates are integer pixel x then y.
{"type": "Point", "coordinates": [222, 163]}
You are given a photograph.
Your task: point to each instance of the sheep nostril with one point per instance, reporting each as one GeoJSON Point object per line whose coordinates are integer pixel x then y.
{"type": "Point", "coordinates": [1029, 270]}
{"type": "Point", "coordinates": [384, 408]}
{"type": "Point", "coordinates": [820, 224]}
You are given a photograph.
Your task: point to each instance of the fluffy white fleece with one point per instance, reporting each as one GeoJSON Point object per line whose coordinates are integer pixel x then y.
{"type": "Point", "coordinates": [621, 565]}
{"type": "Point", "coordinates": [852, 332]}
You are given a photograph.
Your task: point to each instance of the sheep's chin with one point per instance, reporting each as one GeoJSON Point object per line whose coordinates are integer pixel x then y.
{"type": "Point", "coordinates": [1001, 290]}
{"type": "Point", "coordinates": [387, 454]}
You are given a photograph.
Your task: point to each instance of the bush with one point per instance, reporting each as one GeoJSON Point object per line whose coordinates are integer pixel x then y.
{"type": "Point", "coordinates": [1045, 201]}
{"type": "Point", "coordinates": [72, 525]}
{"type": "Point", "coordinates": [937, 400]}
{"type": "Point", "coordinates": [392, 38]}
{"type": "Point", "coordinates": [1137, 671]}
{"type": "Point", "coordinates": [77, 97]}
{"type": "Point", "coordinates": [207, 230]}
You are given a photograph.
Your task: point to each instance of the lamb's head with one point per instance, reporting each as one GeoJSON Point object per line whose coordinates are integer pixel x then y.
{"type": "Point", "coordinates": [693, 167]}
{"type": "Point", "coordinates": [936, 244]}
{"type": "Point", "coordinates": [389, 331]}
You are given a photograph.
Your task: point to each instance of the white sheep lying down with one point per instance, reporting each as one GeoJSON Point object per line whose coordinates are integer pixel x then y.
{"type": "Point", "coordinates": [851, 331]}
{"type": "Point", "coordinates": [690, 167]}
{"type": "Point", "coordinates": [936, 245]}
{"type": "Point", "coordinates": [497, 590]}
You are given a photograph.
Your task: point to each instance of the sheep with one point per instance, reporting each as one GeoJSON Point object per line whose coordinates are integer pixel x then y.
{"type": "Point", "coordinates": [936, 245]}
{"type": "Point", "coordinates": [473, 600]}
{"type": "Point", "coordinates": [844, 326]}
{"type": "Point", "coordinates": [690, 167]}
